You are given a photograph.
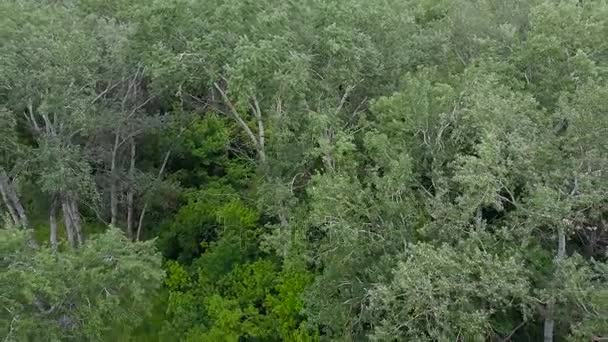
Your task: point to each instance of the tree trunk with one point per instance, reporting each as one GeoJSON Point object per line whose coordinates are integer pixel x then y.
{"type": "Point", "coordinates": [548, 327]}
{"type": "Point", "coordinates": [141, 222]}
{"type": "Point", "coordinates": [5, 198]}
{"type": "Point", "coordinates": [549, 323]}
{"type": "Point", "coordinates": [143, 211]}
{"type": "Point", "coordinates": [10, 197]}
{"type": "Point", "coordinates": [76, 221]}
{"type": "Point", "coordinates": [113, 187]}
{"type": "Point", "coordinates": [328, 158]}
{"type": "Point", "coordinates": [261, 134]}
{"type": "Point", "coordinates": [16, 210]}
{"type": "Point", "coordinates": [67, 218]}
{"type": "Point", "coordinates": [257, 143]}
{"type": "Point", "coordinates": [53, 223]}
{"type": "Point", "coordinates": [130, 193]}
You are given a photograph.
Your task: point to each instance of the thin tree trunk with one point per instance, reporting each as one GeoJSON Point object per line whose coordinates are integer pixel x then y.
{"type": "Point", "coordinates": [549, 323]}
{"type": "Point", "coordinates": [10, 197]}
{"type": "Point", "coordinates": [561, 244]}
{"type": "Point", "coordinates": [548, 326]}
{"type": "Point", "coordinates": [53, 223]}
{"type": "Point", "coordinates": [113, 190]}
{"type": "Point", "coordinates": [16, 210]}
{"type": "Point", "coordinates": [255, 140]}
{"type": "Point", "coordinates": [283, 220]}
{"type": "Point", "coordinates": [32, 118]}
{"type": "Point", "coordinates": [143, 211]}
{"type": "Point", "coordinates": [5, 198]}
{"type": "Point", "coordinates": [141, 222]}
{"type": "Point", "coordinates": [20, 210]}
{"type": "Point", "coordinates": [76, 221]}
{"type": "Point", "coordinates": [160, 173]}
{"type": "Point", "coordinates": [328, 159]}
{"type": "Point", "coordinates": [130, 193]}
{"type": "Point", "coordinates": [261, 134]}
{"type": "Point", "coordinates": [67, 218]}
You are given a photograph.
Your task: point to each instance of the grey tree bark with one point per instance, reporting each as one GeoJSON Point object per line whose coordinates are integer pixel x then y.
{"type": "Point", "coordinates": [113, 180]}
{"type": "Point", "coordinates": [131, 191]}
{"type": "Point", "coordinates": [261, 135]}
{"type": "Point", "coordinates": [7, 202]}
{"type": "Point", "coordinates": [69, 225]}
{"type": "Point", "coordinates": [71, 217]}
{"type": "Point", "coordinates": [12, 201]}
{"type": "Point", "coordinates": [258, 142]}
{"type": "Point", "coordinates": [53, 224]}
{"type": "Point", "coordinates": [76, 221]}
{"type": "Point", "coordinates": [549, 323]}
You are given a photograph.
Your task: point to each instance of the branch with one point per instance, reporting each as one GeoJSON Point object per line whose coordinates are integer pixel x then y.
{"type": "Point", "coordinates": [49, 126]}
{"type": "Point", "coordinates": [519, 326]}
{"type": "Point", "coordinates": [238, 118]}
{"type": "Point", "coordinates": [143, 210]}
{"type": "Point", "coordinates": [129, 136]}
{"type": "Point", "coordinates": [11, 328]}
{"type": "Point", "coordinates": [108, 88]}
{"type": "Point", "coordinates": [258, 115]}
{"type": "Point", "coordinates": [344, 97]}
{"type": "Point", "coordinates": [139, 107]}
{"type": "Point", "coordinates": [203, 102]}
{"type": "Point", "coordinates": [279, 108]}
{"type": "Point", "coordinates": [32, 118]}
{"type": "Point", "coordinates": [160, 174]}
{"type": "Point", "coordinates": [131, 85]}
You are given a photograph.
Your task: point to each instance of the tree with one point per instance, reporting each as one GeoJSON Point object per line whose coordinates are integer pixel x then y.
{"type": "Point", "coordinates": [100, 290]}
{"type": "Point", "coordinates": [48, 72]}
{"type": "Point", "coordinates": [313, 170]}
{"type": "Point", "coordinates": [442, 293]}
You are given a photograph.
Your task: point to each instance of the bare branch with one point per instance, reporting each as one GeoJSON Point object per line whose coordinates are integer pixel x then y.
{"type": "Point", "coordinates": [50, 129]}
{"type": "Point", "coordinates": [130, 136]}
{"type": "Point", "coordinates": [240, 121]}
{"type": "Point", "coordinates": [139, 107]}
{"type": "Point", "coordinates": [519, 326]}
{"type": "Point", "coordinates": [32, 118]}
{"type": "Point", "coordinates": [344, 97]}
{"type": "Point", "coordinates": [108, 88]}
{"type": "Point", "coordinates": [143, 211]}
{"type": "Point", "coordinates": [261, 135]}
{"type": "Point", "coordinates": [160, 174]}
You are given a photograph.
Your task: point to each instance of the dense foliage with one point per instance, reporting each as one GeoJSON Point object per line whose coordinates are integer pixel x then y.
{"type": "Point", "coordinates": [316, 170]}
{"type": "Point", "coordinates": [83, 294]}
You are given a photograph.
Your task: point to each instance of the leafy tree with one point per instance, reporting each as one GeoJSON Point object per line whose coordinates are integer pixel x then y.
{"type": "Point", "coordinates": [313, 170]}
{"type": "Point", "coordinates": [83, 294]}
{"type": "Point", "coordinates": [439, 293]}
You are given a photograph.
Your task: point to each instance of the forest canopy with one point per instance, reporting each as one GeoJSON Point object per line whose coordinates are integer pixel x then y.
{"type": "Point", "coordinates": [313, 170]}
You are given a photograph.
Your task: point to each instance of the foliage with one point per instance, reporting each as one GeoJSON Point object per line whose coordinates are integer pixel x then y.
{"type": "Point", "coordinates": [313, 170]}
{"type": "Point", "coordinates": [84, 294]}
{"type": "Point", "coordinates": [438, 293]}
